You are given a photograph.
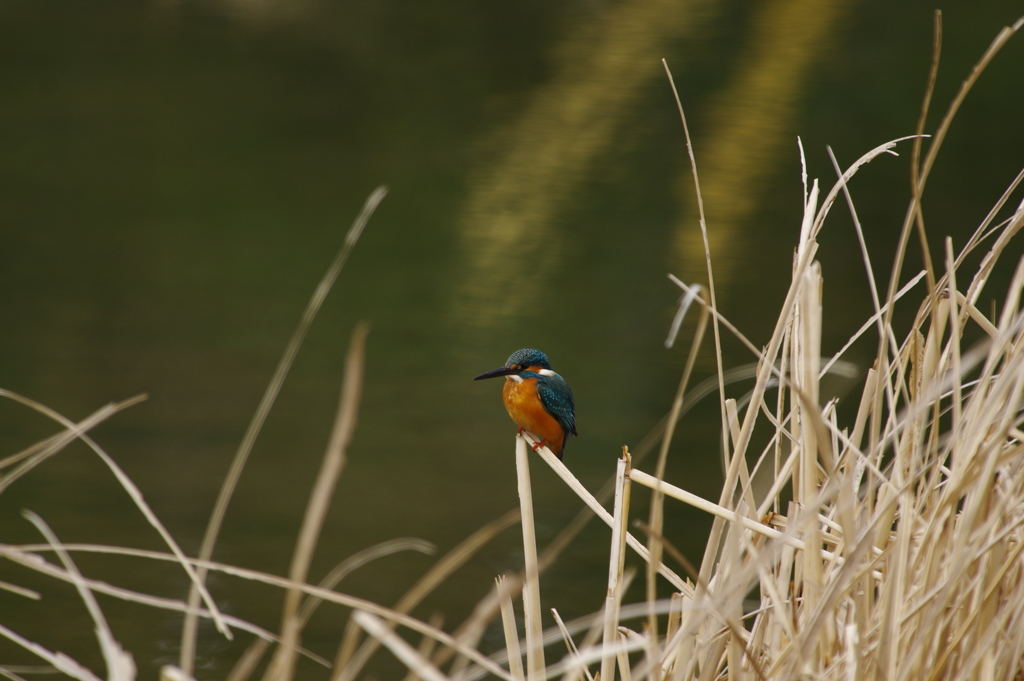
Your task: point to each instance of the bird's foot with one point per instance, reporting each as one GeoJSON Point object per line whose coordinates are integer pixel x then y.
{"type": "Point", "coordinates": [538, 445]}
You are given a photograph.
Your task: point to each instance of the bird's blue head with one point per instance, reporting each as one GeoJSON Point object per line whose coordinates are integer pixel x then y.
{"type": "Point", "coordinates": [527, 357]}
{"type": "Point", "coordinates": [520, 361]}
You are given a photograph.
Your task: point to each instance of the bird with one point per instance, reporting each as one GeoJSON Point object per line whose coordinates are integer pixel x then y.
{"type": "Point", "coordinates": [538, 400]}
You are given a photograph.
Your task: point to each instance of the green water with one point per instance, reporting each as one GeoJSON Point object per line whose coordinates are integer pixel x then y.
{"type": "Point", "coordinates": [175, 177]}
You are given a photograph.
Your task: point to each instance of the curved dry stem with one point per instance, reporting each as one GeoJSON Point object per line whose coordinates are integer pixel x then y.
{"type": "Point", "coordinates": [34, 562]}
{"type": "Point", "coordinates": [186, 658]}
{"type": "Point", "coordinates": [133, 492]}
{"type": "Point", "coordinates": [282, 666]}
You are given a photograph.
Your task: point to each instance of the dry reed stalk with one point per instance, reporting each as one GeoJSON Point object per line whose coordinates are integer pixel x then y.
{"type": "Point", "coordinates": [20, 591]}
{"type": "Point", "coordinates": [665, 488]}
{"type": "Point", "coordinates": [656, 516]}
{"type": "Point", "coordinates": [58, 660]}
{"type": "Point", "coordinates": [427, 645]}
{"type": "Point", "coordinates": [245, 665]}
{"type": "Point", "coordinates": [713, 305]}
{"type": "Point", "coordinates": [32, 561]}
{"type": "Point", "coordinates": [531, 585]}
{"type": "Point", "coordinates": [570, 645]}
{"type": "Point", "coordinates": [78, 430]}
{"type": "Point", "coordinates": [120, 664]}
{"type": "Point", "coordinates": [411, 657]}
{"type": "Point", "coordinates": [282, 666]}
{"type": "Point", "coordinates": [508, 619]}
{"type": "Point", "coordinates": [186, 657]}
{"type": "Point", "coordinates": [171, 673]}
{"type": "Point", "coordinates": [357, 560]}
{"type": "Point", "coordinates": [576, 486]}
{"type": "Point", "coordinates": [43, 450]}
{"type": "Point", "coordinates": [351, 661]}
{"type": "Point", "coordinates": [616, 563]}
{"type": "Point", "coordinates": [575, 664]}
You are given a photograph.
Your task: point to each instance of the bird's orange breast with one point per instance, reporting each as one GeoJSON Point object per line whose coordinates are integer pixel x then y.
{"type": "Point", "coordinates": [527, 411]}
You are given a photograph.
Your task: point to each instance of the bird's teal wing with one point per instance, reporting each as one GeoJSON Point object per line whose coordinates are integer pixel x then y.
{"type": "Point", "coordinates": [556, 396]}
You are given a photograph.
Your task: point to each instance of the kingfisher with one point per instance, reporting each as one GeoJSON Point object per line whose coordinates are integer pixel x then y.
{"type": "Point", "coordinates": [538, 400]}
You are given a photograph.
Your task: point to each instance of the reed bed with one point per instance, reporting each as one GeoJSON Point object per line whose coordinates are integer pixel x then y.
{"type": "Point", "coordinates": [886, 547]}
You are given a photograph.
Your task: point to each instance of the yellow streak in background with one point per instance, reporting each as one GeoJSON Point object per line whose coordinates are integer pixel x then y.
{"type": "Point", "coordinates": [750, 122]}
{"type": "Point", "coordinates": [507, 223]}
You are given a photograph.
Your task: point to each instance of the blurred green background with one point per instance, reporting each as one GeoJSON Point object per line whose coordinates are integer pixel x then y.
{"type": "Point", "coordinates": [176, 176]}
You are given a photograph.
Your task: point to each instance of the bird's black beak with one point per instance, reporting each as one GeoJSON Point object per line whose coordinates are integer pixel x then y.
{"type": "Point", "coordinates": [500, 371]}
